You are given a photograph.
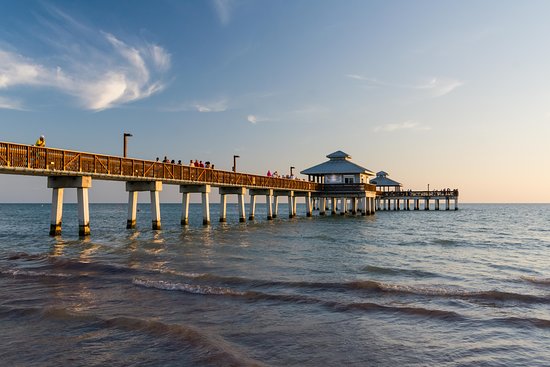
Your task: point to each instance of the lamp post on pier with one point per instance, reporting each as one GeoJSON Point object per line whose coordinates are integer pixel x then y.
{"type": "Point", "coordinates": [126, 135]}
{"type": "Point", "coordinates": [235, 162]}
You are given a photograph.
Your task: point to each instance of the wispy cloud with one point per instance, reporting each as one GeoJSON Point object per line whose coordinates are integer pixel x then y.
{"type": "Point", "coordinates": [101, 72]}
{"type": "Point", "coordinates": [219, 105]}
{"type": "Point", "coordinates": [437, 87]}
{"type": "Point", "coordinates": [10, 104]}
{"type": "Point", "coordinates": [406, 125]}
{"type": "Point", "coordinates": [440, 86]}
{"type": "Point", "coordinates": [253, 119]}
{"type": "Point", "coordinates": [223, 9]}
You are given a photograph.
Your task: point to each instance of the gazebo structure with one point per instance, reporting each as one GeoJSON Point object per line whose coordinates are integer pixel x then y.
{"type": "Point", "coordinates": [343, 181]}
{"type": "Point", "coordinates": [383, 183]}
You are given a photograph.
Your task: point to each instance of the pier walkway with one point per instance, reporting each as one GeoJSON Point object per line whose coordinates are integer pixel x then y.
{"type": "Point", "coordinates": [73, 169]}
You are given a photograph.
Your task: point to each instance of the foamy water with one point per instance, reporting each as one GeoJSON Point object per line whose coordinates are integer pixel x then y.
{"type": "Point", "coordinates": [445, 288]}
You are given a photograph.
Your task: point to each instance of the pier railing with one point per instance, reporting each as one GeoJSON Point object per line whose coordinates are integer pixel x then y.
{"type": "Point", "coordinates": [347, 188]}
{"type": "Point", "coordinates": [423, 194]}
{"type": "Point", "coordinates": [42, 161]}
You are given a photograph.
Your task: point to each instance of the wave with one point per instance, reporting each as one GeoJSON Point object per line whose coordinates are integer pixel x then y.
{"type": "Point", "coordinates": [210, 349]}
{"type": "Point", "coordinates": [189, 288]}
{"type": "Point", "coordinates": [525, 321]}
{"type": "Point", "coordinates": [361, 285]}
{"type": "Point", "coordinates": [294, 298]}
{"type": "Point", "coordinates": [536, 280]}
{"type": "Point", "coordinates": [32, 273]}
{"type": "Point", "coordinates": [397, 271]}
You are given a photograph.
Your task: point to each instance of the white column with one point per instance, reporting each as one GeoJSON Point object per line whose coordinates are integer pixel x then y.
{"type": "Point", "coordinates": [344, 208]}
{"type": "Point", "coordinates": [83, 211]}
{"type": "Point", "coordinates": [252, 207]}
{"type": "Point", "coordinates": [205, 208]}
{"type": "Point", "coordinates": [132, 209]}
{"type": "Point", "coordinates": [56, 212]}
{"type": "Point", "coordinates": [308, 205]}
{"type": "Point", "coordinates": [275, 206]}
{"type": "Point", "coordinates": [223, 211]}
{"type": "Point", "coordinates": [365, 204]}
{"type": "Point", "coordinates": [333, 206]}
{"type": "Point", "coordinates": [294, 202]}
{"type": "Point", "coordinates": [354, 206]}
{"type": "Point", "coordinates": [242, 212]}
{"type": "Point", "coordinates": [290, 206]}
{"type": "Point", "coordinates": [456, 203]}
{"type": "Point", "coordinates": [185, 209]}
{"type": "Point", "coordinates": [322, 206]}
{"type": "Point", "coordinates": [269, 207]}
{"type": "Point", "coordinates": [155, 209]}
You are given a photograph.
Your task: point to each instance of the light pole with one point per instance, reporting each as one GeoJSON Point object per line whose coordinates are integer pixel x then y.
{"type": "Point", "coordinates": [235, 162]}
{"type": "Point", "coordinates": [291, 168]}
{"type": "Point", "coordinates": [126, 135]}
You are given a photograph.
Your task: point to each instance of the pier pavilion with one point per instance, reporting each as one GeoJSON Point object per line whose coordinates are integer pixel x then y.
{"type": "Point", "coordinates": [343, 182]}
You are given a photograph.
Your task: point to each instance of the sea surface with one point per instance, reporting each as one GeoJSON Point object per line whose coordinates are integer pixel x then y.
{"type": "Point", "coordinates": [419, 288]}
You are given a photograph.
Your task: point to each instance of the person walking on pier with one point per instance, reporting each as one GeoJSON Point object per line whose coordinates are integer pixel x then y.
{"type": "Point", "coordinates": [41, 142]}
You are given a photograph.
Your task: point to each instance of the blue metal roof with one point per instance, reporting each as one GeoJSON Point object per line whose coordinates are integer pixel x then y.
{"type": "Point", "coordinates": [339, 163]}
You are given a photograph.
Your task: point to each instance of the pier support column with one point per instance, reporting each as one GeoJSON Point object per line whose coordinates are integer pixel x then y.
{"type": "Point", "coordinates": [268, 193]}
{"type": "Point", "coordinates": [206, 205]}
{"type": "Point", "coordinates": [344, 206]}
{"type": "Point", "coordinates": [252, 207]}
{"type": "Point", "coordinates": [223, 208]}
{"type": "Point", "coordinates": [83, 211]}
{"type": "Point", "coordinates": [436, 204]}
{"type": "Point", "coordinates": [308, 204]}
{"type": "Point", "coordinates": [427, 204]}
{"type": "Point", "coordinates": [58, 184]}
{"type": "Point", "coordinates": [354, 206]}
{"type": "Point", "coordinates": [57, 212]}
{"type": "Point", "coordinates": [372, 206]}
{"type": "Point", "coordinates": [132, 209]}
{"type": "Point", "coordinates": [333, 206]}
{"type": "Point", "coordinates": [185, 209]}
{"type": "Point", "coordinates": [456, 203]}
{"type": "Point", "coordinates": [268, 206]}
{"type": "Point", "coordinates": [416, 204]}
{"type": "Point", "coordinates": [155, 209]}
{"type": "Point", "coordinates": [322, 206]}
{"type": "Point", "coordinates": [232, 190]}
{"type": "Point", "coordinates": [242, 212]}
{"type": "Point", "coordinates": [291, 205]}
{"type": "Point", "coordinates": [189, 189]}
{"type": "Point", "coordinates": [447, 203]}
{"type": "Point", "coordinates": [275, 206]}
{"type": "Point", "coordinates": [365, 203]}
{"type": "Point", "coordinates": [154, 187]}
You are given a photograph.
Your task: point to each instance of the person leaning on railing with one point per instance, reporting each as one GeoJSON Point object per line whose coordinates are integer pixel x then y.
{"type": "Point", "coordinates": [40, 142]}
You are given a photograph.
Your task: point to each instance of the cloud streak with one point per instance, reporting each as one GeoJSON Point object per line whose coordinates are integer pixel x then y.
{"type": "Point", "coordinates": [223, 10]}
{"type": "Point", "coordinates": [102, 74]}
{"type": "Point", "coordinates": [406, 125]}
{"type": "Point", "coordinates": [437, 87]}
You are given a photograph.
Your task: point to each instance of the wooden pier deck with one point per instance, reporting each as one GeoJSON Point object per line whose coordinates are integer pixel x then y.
{"type": "Point", "coordinates": [74, 169]}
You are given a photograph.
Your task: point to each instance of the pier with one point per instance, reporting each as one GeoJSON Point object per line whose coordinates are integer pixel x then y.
{"type": "Point", "coordinates": [67, 169]}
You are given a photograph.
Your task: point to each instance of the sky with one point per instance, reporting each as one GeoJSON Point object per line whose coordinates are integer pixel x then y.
{"type": "Point", "coordinates": [454, 94]}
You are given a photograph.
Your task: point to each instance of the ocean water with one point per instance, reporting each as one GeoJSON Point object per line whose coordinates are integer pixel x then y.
{"type": "Point", "coordinates": [449, 288]}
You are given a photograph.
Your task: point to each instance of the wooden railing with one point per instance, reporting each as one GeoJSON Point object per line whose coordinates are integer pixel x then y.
{"type": "Point", "coordinates": [49, 162]}
{"type": "Point", "coordinates": [423, 194]}
{"type": "Point", "coordinates": [344, 188]}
